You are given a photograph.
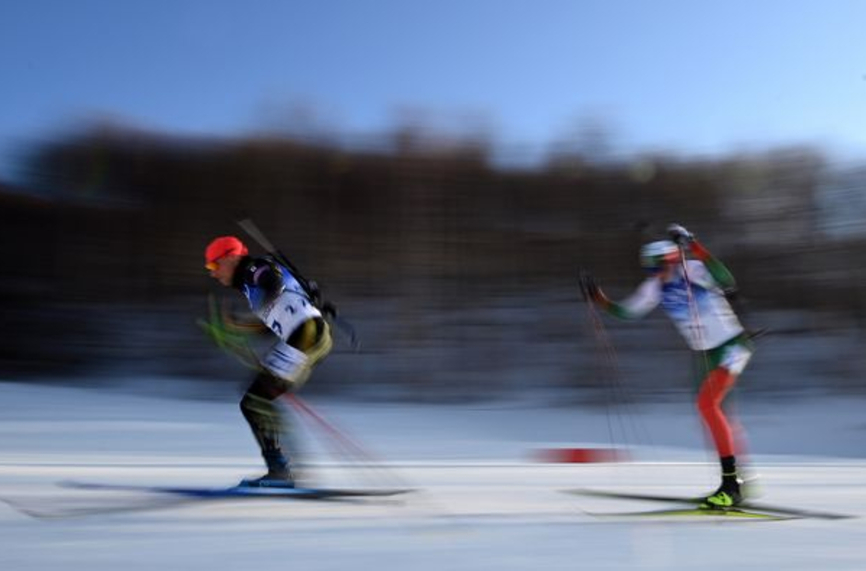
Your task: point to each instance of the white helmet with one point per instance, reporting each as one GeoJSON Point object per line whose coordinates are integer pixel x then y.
{"type": "Point", "coordinates": [655, 254]}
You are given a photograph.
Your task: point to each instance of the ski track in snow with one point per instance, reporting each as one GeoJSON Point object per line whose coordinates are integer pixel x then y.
{"type": "Point", "coordinates": [481, 500]}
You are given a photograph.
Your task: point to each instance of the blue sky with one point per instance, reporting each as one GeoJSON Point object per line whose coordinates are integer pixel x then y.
{"type": "Point", "coordinates": [693, 76]}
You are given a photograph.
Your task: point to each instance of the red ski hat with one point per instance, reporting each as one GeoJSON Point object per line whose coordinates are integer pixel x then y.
{"type": "Point", "coordinates": [222, 247]}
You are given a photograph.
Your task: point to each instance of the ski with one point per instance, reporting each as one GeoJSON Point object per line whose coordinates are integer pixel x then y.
{"type": "Point", "coordinates": [692, 514]}
{"type": "Point", "coordinates": [749, 506]}
{"type": "Point", "coordinates": [243, 491]}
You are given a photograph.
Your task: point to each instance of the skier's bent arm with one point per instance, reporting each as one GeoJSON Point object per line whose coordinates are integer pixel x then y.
{"type": "Point", "coordinates": [641, 302]}
{"type": "Point", "coordinates": [719, 272]}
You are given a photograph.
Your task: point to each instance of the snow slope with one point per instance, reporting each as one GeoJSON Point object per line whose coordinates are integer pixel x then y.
{"type": "Point", "coordinates": [482, 501]}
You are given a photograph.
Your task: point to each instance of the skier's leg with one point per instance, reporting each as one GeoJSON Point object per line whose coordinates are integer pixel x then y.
{"type": "Point", "coordinates": [287, 367]}
{"type": "Point", "coordinates": [735, 358]}
{"type": "Point", "coordinates": [713, 391]}
{"type": "Point", "coordinates": [731, 359]}
{"type": "Point", "coordinates": [267, 424]}
{"type": "Point", "coordinates": [710, 397]}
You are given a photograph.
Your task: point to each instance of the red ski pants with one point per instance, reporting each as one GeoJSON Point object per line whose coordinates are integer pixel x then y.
{"type": "Point", "coordinates": [713, 391]}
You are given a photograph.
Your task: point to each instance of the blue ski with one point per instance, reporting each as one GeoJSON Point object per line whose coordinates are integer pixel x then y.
{"type": "Point", "coordinates": [244, 491]}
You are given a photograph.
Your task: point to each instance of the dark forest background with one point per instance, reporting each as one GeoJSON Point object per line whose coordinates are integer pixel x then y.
{"type": "Point", "coordinates": [459, 273]}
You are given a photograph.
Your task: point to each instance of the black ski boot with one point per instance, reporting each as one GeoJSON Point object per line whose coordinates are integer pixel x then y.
{"type": "Point", "coordinates": [279, 473]}
{"type": "Point", "coordinates": [278, 478]}
{"type": "Point", "coordinates": [730, 493]}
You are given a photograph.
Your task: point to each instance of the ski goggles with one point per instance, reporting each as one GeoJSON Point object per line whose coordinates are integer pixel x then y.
{"type": "Point", "coordinates": [214, 264]}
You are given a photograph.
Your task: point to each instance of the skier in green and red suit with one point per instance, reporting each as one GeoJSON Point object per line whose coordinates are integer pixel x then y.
{"type": "Point", "coordinates": [693, 294]}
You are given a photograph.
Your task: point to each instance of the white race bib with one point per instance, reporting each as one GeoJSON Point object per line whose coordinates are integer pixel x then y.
{"type": "Point", "coordinates": [285, 313]}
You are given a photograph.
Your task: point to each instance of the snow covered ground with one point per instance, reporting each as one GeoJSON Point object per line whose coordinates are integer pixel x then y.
{"type": "Point", "coordinates": [483, 502]}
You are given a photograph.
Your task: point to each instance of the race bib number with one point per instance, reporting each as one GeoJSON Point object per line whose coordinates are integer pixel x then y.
{"type": "Point", "coordinates": [287, 312]}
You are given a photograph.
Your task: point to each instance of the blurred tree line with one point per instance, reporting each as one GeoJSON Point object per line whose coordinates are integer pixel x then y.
{"type": "Point", "coordinates": [115, 219]}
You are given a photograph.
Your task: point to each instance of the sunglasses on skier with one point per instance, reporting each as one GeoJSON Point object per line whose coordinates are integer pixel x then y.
{"type": "Point", "coordinates": [215, 263]}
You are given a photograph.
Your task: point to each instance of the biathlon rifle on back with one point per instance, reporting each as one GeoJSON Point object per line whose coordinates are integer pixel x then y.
{"type": "Point", "coordinates": [311, 288]}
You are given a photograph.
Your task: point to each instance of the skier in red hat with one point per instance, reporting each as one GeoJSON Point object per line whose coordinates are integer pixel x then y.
{"type": "Point", "coordinates": [286, 307]}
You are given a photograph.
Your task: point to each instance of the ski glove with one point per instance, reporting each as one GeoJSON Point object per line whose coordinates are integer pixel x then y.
{"type": "Point", "coordinates": [231, 338]}
{"type": "Point", "coordinates": [679, 235]}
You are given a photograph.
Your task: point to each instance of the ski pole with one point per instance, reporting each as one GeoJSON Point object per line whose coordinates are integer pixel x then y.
{"type": "Point", "coordinates": [332, 431]}
{"type": "Point", "coordinates": [345, 445]}
{"type": "Point", "coordinates": [616, 388]}
{"type": "Point", "coordinates": [693, 306]}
